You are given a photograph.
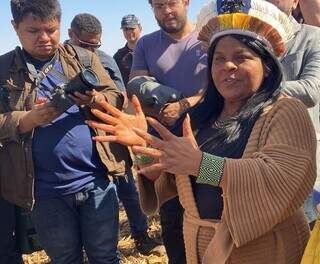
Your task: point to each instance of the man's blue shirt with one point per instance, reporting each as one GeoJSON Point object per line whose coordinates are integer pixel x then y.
{"type": "Point", "coordinates": [65, 157]}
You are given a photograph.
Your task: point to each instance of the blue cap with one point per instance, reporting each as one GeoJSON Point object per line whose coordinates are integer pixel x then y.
{"type": "Point", "coordinates": [129, 21]}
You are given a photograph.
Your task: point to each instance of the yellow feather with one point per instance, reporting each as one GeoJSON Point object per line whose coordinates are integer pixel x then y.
{"type": "Point", "coordinates": [236, 21]}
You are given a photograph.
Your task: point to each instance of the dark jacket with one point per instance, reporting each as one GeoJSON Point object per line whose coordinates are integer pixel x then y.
{"type": "Point", "coordinates": [17, 170]}
{"type": "Point", "coordinates": [124, 57]}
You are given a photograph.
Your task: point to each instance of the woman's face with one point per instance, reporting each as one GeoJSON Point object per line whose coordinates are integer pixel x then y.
{"type": "Point", "coordinates": [237, 71]}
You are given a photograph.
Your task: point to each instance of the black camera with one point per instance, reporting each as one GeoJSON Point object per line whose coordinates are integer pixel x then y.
{"type": "Point", "coordinates": [84, 81]}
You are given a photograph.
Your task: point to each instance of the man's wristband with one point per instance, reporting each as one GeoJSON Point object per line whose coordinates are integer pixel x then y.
{"type": "Point", "coordinates": [184, 105]}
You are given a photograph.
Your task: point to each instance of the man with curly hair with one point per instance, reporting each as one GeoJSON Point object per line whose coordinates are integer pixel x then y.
{"type": "Point", "coordinates": [86, 31]}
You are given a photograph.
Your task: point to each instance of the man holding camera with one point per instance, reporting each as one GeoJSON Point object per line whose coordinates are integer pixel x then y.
{"type": "Point", "coordinates": [86, 31]}
{"type": "Point", "coordinates": [49, 164]}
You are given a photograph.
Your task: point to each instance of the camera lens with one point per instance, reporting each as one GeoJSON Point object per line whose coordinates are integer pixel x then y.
{"type": "Point", "coordinates": [90, 77]}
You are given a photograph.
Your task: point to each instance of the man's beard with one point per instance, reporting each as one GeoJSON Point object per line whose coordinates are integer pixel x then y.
{"type": "Point", "coordinates": [181, 22]}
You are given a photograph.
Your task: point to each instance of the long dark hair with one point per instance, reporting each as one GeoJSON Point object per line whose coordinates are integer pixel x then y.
{"type": "Point", "coordinates": [211, 105]}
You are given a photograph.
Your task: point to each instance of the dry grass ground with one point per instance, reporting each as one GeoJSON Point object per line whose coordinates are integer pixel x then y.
{"type": "Point", "coordinates": [126, 247]}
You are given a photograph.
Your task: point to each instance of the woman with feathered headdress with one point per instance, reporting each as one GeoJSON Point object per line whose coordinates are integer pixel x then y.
{"type": "Point", "coordinates": [245, 168]}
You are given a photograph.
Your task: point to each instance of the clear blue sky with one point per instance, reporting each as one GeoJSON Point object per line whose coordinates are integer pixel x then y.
{"type": "Point", "coordinates": [109, 12]}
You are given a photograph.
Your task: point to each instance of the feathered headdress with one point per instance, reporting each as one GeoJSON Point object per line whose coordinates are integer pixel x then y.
{"type": "Point", "coordinates": [254, 18]}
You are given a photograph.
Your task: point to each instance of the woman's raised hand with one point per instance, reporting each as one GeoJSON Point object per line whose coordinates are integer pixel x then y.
{"type": "Point", "coordinates": [119, 125]}
{"type": "Point", "coordinates": [176, 155]}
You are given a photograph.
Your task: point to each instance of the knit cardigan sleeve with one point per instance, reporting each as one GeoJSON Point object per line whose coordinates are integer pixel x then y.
{"type": "Point", "coordinates": [154, 194]}
{"type": "Point", "coordinates": [269, 185]}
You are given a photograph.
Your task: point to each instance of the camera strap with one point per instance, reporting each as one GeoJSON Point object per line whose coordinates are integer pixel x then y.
{"type": "Point", "coordinates": [83, 56]}
{"type": "Point", "coordinates": [40, 75]}
{"type": "Point", "coordinates": [59, 75]}
{"type": "Point", "coordinates": [49, 67]}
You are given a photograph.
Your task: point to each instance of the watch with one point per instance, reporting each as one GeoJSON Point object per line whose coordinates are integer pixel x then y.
{"type": "Point", "coordinates": [184, 104]}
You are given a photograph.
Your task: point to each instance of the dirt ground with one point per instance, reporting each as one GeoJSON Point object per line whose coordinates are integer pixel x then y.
{"type": "Point", "coordinates": [126, 247]}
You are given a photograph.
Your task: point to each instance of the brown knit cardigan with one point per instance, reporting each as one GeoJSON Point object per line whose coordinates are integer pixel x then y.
{"type": "Point", "coordinates": [262, 221]}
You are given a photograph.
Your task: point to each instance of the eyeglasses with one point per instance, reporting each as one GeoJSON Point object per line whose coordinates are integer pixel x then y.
{"type": "Point", "coordinates": [172, 4]}
{"type": "Point", "coordinates": [88, 45]}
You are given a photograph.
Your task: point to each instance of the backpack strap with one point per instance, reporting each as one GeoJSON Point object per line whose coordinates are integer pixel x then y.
{"type": "Point", "coordinates": [83, 55]}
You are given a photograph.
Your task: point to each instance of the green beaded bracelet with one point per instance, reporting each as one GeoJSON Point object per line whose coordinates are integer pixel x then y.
{"type": "Point", "coordinates": [142, 160]}
{"type": "Point", "coordinates": [211, 169]}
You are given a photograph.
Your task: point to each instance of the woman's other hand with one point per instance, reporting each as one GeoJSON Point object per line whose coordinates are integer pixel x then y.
{"type": "Point", "coordinates": [118, 124]}
{"type": "Point", "coordinates": [176, 155]}
{"type": "Point", "coordinates": [151, 176]}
